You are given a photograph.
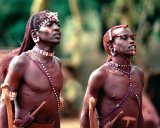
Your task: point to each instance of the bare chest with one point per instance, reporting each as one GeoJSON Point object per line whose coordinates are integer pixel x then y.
{"type": "Point", "coordinates": [39, 78]}
{"type": "Point", "coordinates": [116, 87]}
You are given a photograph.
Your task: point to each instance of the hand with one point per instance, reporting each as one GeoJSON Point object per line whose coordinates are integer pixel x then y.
{"type": "Point", "coordinates": [15, 126]}
{"type": "Point", "coordinates": [17, 123]}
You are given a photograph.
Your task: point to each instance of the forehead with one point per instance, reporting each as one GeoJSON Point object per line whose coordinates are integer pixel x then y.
{"type": "Point", "coordinates": [48, 16]}
{"type": "Point", "coordinates": [122, 31]}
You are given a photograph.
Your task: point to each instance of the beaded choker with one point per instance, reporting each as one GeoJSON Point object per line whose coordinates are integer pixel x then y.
{"type": "Point", "coordinates": [43, 52]}
{"type": "Point", "coordinates": [118, 66]}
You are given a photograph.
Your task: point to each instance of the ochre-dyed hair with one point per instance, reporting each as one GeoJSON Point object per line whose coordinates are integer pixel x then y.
{"type": "Point", "coordinates": [108, 38]}
{"type": "Point", "coordinates": [26, 44]}
{"type": "Point", "coordinates": [32, 24]}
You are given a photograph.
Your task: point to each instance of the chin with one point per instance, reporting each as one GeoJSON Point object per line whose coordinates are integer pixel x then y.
{"type": "Point", "coordinates": [131, 55]}
{"type": "Point", "coordinates": [56, 41]}
{"type": "Point", "coordinates": [134, 53]}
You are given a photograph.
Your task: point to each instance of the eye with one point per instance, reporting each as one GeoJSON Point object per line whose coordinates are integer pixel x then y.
{"type": "Point", "coordinates": [49, 24]}
{"type": "Point", "coordinates": [132, 37]}
{"type": "Point", "coordinates": [124, 37]}
{"type": "Point", "coordinates": [58, 24]}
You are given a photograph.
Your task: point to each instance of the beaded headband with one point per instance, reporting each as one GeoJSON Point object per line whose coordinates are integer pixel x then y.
{"type": "Point", "coordinates": [49, 16]}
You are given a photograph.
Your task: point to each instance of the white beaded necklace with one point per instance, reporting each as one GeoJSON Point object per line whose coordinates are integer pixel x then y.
{"type": "Point", "coordinates": [42, 52]}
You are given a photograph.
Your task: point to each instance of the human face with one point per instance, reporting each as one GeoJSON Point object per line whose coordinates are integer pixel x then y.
{"type": "Point", "coordinates": [50, 32]}
{"type": "Point", "coordinates": [124, 42]}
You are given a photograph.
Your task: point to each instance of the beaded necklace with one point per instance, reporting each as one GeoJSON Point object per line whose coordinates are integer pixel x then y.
{"type": "Point", "coordinates": [46, 73]}
{"type": "Point", "coordinates": [42, 52]}
{"type": "Point", "coordinates": [130, 89]}
{"type": "Point", "coordinates": [129, 76]}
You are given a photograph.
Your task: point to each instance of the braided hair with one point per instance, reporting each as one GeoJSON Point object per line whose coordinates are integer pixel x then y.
{"type": "Point", "coordinates": [27, 44]}
{"type": "Point", "coordinates": [32, 24]}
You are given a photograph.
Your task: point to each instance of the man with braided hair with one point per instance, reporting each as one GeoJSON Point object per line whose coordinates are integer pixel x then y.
{"type": "Point", "coordinates": [33, 80]}
{"type": "Point", "coordinates": [117, 85]}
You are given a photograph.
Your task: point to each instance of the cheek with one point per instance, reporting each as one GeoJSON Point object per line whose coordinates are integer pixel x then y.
{"type": "Point", "coordinates": [120, 47]}
{"type": "Point", "coordinates": [122, 44]}
{"type": "Point", "coordinates": [47, 30]}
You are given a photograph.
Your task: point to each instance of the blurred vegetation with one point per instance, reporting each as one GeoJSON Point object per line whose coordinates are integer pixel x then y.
{"type": "Point", "coordinates": [83, 23]}
{"type": "Point", "coordinates": [81, 20]}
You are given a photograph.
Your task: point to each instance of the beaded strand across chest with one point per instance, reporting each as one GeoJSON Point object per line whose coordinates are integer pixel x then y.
{"type": "Point", "coordinates": [118, 67]}
{"type": "Point", "coordinates": [46, 73]}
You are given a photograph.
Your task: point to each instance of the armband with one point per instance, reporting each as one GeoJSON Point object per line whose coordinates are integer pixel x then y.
{"type": "Point", "coordinates": [13, 95]}
{"type": "Point", "coordinates": [4, 85]}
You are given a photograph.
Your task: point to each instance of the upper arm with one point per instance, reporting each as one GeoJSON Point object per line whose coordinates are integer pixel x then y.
{"type": "Point", "coordinates": [141, 73]}
{"type": "Point", "coordinates": [141, 76]}
{"type": "Point", "coordinates": [95, 83]}
{"type": "Point", "coordinates": [15, 73]}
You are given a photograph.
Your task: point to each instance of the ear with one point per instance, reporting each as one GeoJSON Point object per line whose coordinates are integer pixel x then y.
{"type": "Point", "coordinates": [110, 47]}
{"type": "Point", "coordinates": [34, 34]}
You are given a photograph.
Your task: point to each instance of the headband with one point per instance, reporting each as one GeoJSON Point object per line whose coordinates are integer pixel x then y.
{"type": "Point", "coordinates": [49, 16]}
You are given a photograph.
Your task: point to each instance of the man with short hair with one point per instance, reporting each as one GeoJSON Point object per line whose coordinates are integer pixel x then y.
{"type": "Point", "coordinates": [117, 85]}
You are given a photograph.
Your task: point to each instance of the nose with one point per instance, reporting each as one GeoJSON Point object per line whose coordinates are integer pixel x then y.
{"type": "Point", "coordinates": [131, 41]}
{"type": "Point", "coordinates": [55, 27]}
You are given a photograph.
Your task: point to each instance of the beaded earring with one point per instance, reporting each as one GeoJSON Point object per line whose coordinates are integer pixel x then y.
{"type": "Point", "coordinates": [113, 52]}
{"type": "Point", "coordinates": [36, 39]}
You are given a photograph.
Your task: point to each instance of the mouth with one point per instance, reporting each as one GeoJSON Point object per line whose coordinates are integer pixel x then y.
{"type": "Point", "coordinates": [132, 47]}
{"type": "Point", "coordinates": [57, 35]}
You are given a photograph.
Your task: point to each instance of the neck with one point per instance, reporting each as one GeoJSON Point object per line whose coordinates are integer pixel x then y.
{"type": "Point", "coordinates": [121, 64]}
{"type": "Point", "coordinates": [121, 60]}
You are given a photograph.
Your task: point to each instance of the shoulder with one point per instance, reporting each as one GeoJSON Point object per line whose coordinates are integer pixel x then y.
{"type": "Point", "coordinates": [138, 70]}
{"type": "Point", "coordinates": [97, 80]}
{"type": "Point", "coordinates": [57, 60]}
{"type": "Point", "coordinates": [99, 73]}
{"type": "Point", "coordinates": [139, 73]}
{"type": "Point", "coordinates": [19, 61]}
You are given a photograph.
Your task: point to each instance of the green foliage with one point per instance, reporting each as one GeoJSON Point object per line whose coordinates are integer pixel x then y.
{"type": "Point", "coordinates": [13, 17]}
{"type": "Point", "coordinates": [62, 7]}
{"type": "Point", "coordinates": [96, 16]}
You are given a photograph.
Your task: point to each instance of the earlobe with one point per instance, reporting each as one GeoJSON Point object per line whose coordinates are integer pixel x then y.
{"type": "Point", "coordinates": [112, 50]}
{"type": "Point", "coordinates": [35, 36]}
{"type": "Point", "coordinates": [110, 47]}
